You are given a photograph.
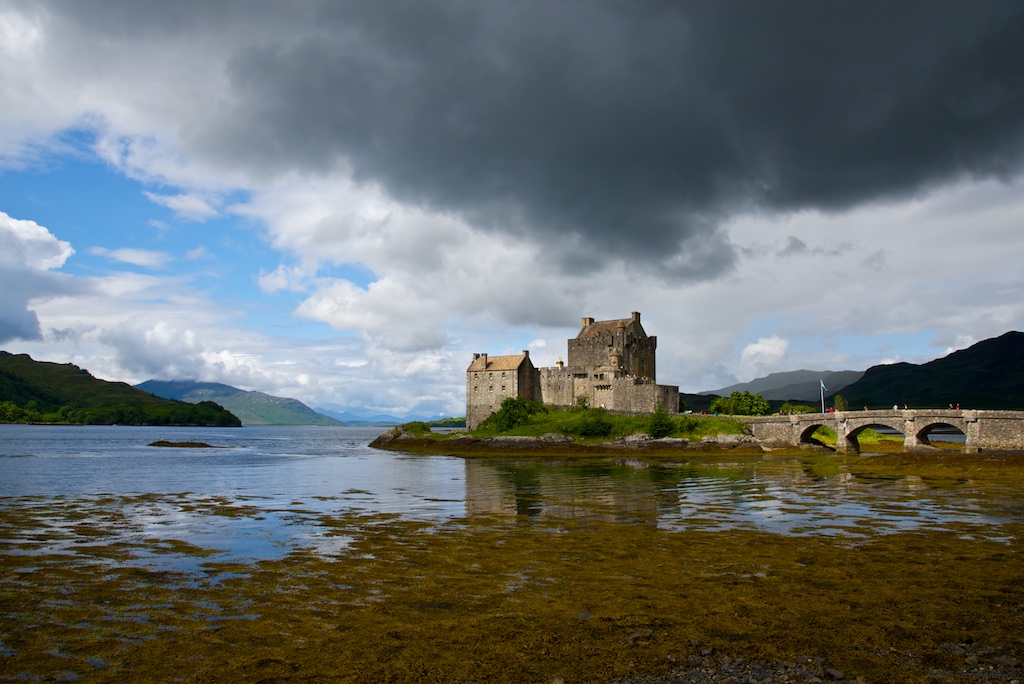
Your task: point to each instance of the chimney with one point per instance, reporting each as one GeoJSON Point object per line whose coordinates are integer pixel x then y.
{"type": "Point", "coordinates": [587, 321]}
{"type": "Point", "coordinates": [526, 353]}
{"type": "Point", "coordinates": [636, 316]}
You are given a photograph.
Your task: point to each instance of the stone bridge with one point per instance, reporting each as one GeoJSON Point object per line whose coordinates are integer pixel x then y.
{"type": "Point", "coordinates": [985, 430]}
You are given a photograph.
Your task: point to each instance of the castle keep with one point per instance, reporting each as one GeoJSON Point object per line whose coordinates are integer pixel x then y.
{"type": "Point", "coordinates": [610, 363]}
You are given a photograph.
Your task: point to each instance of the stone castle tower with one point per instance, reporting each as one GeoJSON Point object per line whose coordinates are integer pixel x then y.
{"type": "Point", "coordinates": [611, 364]}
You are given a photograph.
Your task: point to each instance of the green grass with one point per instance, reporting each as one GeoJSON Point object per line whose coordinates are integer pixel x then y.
{"type": "Point", "coordinates": [598, 425]}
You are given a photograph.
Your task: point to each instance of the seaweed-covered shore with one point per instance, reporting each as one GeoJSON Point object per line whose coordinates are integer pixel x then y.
{"type": "Point", "coordinates": [509, 600]}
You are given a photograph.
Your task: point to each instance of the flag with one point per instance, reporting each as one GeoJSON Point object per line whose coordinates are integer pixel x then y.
{"type": "Point", "coordinates": [823, 388]}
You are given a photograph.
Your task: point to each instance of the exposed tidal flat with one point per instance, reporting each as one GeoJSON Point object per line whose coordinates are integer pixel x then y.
{"type": "Point", "coordinates": [301, 555]}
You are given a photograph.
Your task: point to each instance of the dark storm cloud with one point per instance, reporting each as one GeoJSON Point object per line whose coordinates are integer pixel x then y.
{"type": "Point", "coordinates": [620, 129]}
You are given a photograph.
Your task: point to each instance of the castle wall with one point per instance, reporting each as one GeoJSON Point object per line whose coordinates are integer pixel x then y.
{"type": "Point", "coordinates": [562, 387]}
{"type": "Point", "coordinates": [557, 386]}
{"type": "Point", "coordinates": [591, 352]}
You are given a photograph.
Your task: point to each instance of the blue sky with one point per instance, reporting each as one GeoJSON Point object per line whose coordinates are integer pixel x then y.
{"type": "Point", "coordinates": [342, 201]}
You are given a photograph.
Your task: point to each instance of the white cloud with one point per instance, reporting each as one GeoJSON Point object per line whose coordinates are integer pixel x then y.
{"type": "Point", "coordinates": [29, 254]}
{"type": "Point", "coordinates": [761, 357]}
{"type": "Point", "coordinates": [291, 278]}
{"type": "Point", "coordinates": [135, 257]}
{"type": "Point", "coordinates": [26, 244]}
{"type": "Point", "coordinates": [158, 349]}
{"type": "Point", "coordinates": [19, 35]}
{"type": "Point", "coordinates": [189, 206]}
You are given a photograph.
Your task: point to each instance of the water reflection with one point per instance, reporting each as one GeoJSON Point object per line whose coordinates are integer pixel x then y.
{"type": "Point", "coordinates": [786, 495]}
{"type": "Point", "coordinates": [606, 490]}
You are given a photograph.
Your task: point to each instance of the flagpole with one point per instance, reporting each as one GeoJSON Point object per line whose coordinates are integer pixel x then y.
{"type": "Point", "coordinates": [822, 382]}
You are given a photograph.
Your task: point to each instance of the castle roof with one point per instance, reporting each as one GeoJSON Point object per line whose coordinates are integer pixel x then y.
{"type": "Point", "coordinates": [594, 328]}
{"type": "Point", "coordinates": [483, 362]}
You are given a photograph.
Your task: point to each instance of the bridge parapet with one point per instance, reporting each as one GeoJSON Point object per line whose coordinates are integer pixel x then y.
{"type": "Point", "coordinates": [985, 430]}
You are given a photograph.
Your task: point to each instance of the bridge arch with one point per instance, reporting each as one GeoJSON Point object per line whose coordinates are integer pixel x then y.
{"type": "Point", "coordinates": [807, 430]}
{"type": "Point", "coordinates": [925, 431]}
{"type": "Point", "coordinates": [852, 436]}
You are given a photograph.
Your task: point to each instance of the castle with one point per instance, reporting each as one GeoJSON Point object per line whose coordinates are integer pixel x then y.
{"type": "Point", "coordinates": [610, 364]}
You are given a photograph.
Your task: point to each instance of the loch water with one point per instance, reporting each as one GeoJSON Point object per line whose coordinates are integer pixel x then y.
{"type": "Point", "coordinates": [282, 483]}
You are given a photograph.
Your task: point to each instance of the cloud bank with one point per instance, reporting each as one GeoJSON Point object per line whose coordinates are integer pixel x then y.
{"type": "Point", "coordinates": [775, 183]}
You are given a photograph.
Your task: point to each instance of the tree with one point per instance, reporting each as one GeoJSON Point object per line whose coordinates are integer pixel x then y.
{"type": "Point", "coordinates": [660, 424]}
{"type": "Point", "coordinates": [741, 404]}
{"type": "Point", "coordinates": [839, 403]}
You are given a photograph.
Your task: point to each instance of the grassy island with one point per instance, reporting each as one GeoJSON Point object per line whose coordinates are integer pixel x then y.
{"type": "Point", "coordinates": [528, 425]}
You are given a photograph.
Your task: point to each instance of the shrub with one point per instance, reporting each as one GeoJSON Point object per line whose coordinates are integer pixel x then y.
{"type": "Point", "coordinates": [589, 423]}
{"type": "Point", "coordinates": [688, 424]}
{"type": "Point", "coordinates": [514, 411]}
{"type": "Point", "coordinates": [660, 424]}
{"type": "Point", "coordinates": [417, 428]}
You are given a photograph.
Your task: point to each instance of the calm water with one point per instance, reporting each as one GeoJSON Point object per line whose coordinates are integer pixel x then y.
{"type": "Point", "coordinates": [281, 483]}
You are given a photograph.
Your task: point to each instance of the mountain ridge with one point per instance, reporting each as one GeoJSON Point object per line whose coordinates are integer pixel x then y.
{"type": "Point", "coordinates": [987, 375]}
{"type": "Point", "coordinates": [802, 385]}
{"type": "Point", "coordinates": [252, 408]}
{"type": "Point", "coordinates": [45, 392]}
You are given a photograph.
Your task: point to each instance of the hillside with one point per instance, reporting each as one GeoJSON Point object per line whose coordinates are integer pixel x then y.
{"type": "Point", "coordinates": [802, 385]}
{"type": "Point", "coordinates": [44, 392]}
{"type": "Point", "coordinates": [252, 408]}
{"type": "Point", "coordinates": [989, 374]}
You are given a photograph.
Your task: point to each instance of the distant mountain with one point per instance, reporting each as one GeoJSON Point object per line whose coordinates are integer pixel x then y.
{"type": "Point", "coordinates": [181, 389]}
{"type": "Point", "coordinates": [989, 374]}
{"type": "Point", "coordinates": [800, 385]}
{"type": "Point", "coordinates": [43, 392]}
{"type": "Point", "coordinates": [366, 420]}
{"type": "Point", "coordinates": [253, 408]}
